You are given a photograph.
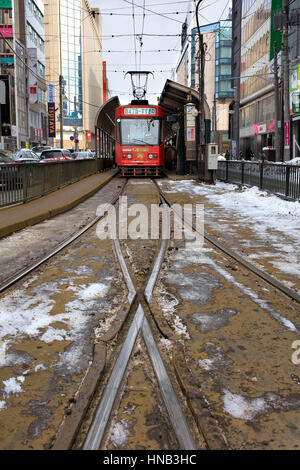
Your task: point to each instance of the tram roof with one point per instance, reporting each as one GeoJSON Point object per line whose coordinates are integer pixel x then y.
{"type": "Point", "coordinates": [105, 118]}
{"type": "Point", "coordinates": [174, 96]}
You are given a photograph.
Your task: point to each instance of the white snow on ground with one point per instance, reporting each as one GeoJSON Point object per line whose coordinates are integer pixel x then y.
{"type": "Point", "coordinates": [120, 434]}
{"type": "Point", "coordinates": [40, 367]}
{"type": "Point", "coordinates": [259, 206]}
{"type": "Point", "coordinates": [269, 216]}
{"type": "Point", "coordinates": [12, 385]}
{"type": "Point", "coordinates": [294, 161]}
{"type": "Point", "coordinates": [23, 314]}
{"type": "Point", "coordinates": [2, 405]}
{"type": "Point", "coordinates": [168, 302]}
{"type": "Point", "coordinates": [240, 408]}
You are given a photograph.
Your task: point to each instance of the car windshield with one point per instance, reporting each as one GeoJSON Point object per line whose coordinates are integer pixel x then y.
{"type": "Point", "coordinates": [51, 154]}
{"type": "Point", "coordinates": [140, 131]}
{"type": "Point", "coordinates": [6, 158]}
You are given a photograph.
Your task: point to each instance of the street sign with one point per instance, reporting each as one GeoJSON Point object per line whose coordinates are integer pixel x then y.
{"type": "Point", "coordinates": [76, 141]}
{"type": "Point", "coordinates": [72, 138]}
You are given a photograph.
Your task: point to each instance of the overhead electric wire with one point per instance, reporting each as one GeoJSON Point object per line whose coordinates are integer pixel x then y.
{"type": "Point", "coordinates": [141, 38]}
{"type": "Point", "coordinates": [152, 11]}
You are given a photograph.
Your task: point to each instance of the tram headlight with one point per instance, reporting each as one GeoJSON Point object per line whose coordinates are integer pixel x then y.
{"type": "Point", "coordinates": [129, 156]}
{"type": "Point", "coordinates": [150, 156]}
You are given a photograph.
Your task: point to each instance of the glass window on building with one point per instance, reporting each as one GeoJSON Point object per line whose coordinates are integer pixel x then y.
{"type": "Point", "coordinates": [71, 60]}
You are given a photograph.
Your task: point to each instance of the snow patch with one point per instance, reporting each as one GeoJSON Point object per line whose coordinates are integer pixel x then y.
{"type": "Point", "coordinates": [12, 385]}
{"type": "Point", "coordinates": [120, 434]}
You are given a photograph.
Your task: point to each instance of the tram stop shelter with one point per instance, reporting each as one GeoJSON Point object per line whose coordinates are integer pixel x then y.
{"type": "Point", "coordinates": [173, 100]}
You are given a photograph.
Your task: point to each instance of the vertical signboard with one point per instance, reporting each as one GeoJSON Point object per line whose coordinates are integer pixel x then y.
{"type": "Point", "coordinates": [190, 131]}
{"type": "Point", "coordinates": [275, 36]}
{"type": "Point", "coordinates": [295, 90]}
{"type": "Point", "coordinates": [51, 111]}
{"type": "Point", "coordinates": [287, 135]}
{"type": "Point", "coordinates": [104, 83]}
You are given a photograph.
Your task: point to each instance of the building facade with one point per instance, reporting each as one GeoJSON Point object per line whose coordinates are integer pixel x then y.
{"type": "Point", "coordinates": [217, 74]}
{"type": "Point", "coordinates": [36, 61]}
{"type": "Point", "coordinates": [294, 48]}
{"type": "Point", "coordinates": [13, 76]}
{"type": "Point", "coordinates": [257, 102]}
{"type": "Point", "coordinates": [73, 51]}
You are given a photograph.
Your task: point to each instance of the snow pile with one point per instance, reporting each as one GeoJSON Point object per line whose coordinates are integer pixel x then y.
{"type": "Point", "coordinates": [294, 161]}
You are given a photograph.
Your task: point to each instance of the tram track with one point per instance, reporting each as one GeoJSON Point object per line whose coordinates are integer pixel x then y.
{"type": "Point", "coordinates": [232, 254]}
{"type": "Point", "coordinates": [87, 422]}
{"type": "Point", "coordinates": [9, 282]}
{"type": "Point", "coordinates": [138, 310]}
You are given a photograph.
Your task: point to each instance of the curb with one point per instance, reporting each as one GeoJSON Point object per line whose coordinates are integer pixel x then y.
{"type": "Point", "coordinates": [46, 214]}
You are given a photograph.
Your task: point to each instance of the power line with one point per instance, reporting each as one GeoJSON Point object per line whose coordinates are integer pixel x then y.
{"type": "Point", "coordinates": [152, 11]}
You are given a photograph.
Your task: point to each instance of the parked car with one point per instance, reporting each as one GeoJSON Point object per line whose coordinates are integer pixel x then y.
{"type": "Point", "coordinates": [9, 175]}
{"type": "Point", "coordinates": [24, 156]}
{"type": "Point", "coordinates": [88, 155]}
{"type": "Point", "coordinates": [39, 149]}
{"type": "Point", "coordinates": [53, 155]}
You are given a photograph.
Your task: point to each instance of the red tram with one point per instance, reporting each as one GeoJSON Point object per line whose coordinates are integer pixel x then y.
{"type": "Point", "coordinates": [140, 135]}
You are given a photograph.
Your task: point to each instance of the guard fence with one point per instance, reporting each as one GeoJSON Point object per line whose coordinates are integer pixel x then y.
{"type": "Point", "coordinates": [24, 182]}
{"type": "Point", "coordinates": [280, 179]}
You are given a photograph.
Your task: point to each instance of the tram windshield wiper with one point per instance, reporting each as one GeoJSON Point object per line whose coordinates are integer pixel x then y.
{"type": "Point", "coordinates": [143, 141]}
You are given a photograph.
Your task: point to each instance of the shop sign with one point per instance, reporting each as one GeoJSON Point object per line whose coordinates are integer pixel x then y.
{"type": "Point", "coordinates": [287, 135]}
{"type": "Point", "coordinates": [5, 4]}
{"type": "Point", "coordinates": [295, 89]}
{"type": "Point", "coordinates": [6, 31]}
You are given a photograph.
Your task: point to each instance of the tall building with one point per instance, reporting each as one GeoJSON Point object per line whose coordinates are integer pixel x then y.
{"type": "Point", "coordinates": [73, 51]}
{"type": "Point", "coordinates": [294, 47]}
{"type": "Point", "coordinates": [257, 103]}
{"type": "Point", "coordinates": [217, 74]}
{"type": "Point", "coordinates": [36, 61]}
{"type": "Point", "coordinates": [234, 107]}
{"type": "Point", "coordinates": [13, 75]}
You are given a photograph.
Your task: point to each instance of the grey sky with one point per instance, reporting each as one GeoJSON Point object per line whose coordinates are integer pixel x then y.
{"type": "Point", "coordinates": [211, 10]}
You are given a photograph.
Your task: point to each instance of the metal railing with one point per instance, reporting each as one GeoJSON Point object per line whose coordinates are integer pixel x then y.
{"type": "Point", "coordinates": [283, 180]}
{"type": "Point", "coordinates": [24, 182]}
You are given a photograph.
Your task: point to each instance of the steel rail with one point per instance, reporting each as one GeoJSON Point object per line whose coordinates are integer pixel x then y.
{"type": "Point", "coordinates": [140, 324]}
{"type": "Point", "coordinates": [263, 275]}
{"type": "Point", "coordinates": [11, 281]}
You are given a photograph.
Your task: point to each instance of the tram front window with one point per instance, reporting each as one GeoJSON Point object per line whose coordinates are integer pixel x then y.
{"type": "Point", "coordinates": [140, 131]}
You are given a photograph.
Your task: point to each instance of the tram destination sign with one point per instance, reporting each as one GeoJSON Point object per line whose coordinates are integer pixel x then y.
{"type": "Point", "coordinates": [140, 111]}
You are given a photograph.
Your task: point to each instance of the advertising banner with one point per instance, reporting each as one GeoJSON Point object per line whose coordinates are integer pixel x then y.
{"type": "Point", "coordinates": [5, 4]}
{"type": "Point", "coordinates": [51, 120]}
{"type": "Point", "coordinates": [51, 93]}
{"type": "Point", "coordinates": [295, 89]}
{"type": "Point", "coordinates": [6, 31]}
{"type": "Point", "coordinates": [276, 36]}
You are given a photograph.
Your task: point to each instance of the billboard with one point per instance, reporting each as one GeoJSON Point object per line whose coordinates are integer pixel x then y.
{"type": "Point", "coordinates": [51, 111]}
{"type": "Point", "coordinates": [295, 89]}
{"type": "Point", "coordinates": [275, 36]}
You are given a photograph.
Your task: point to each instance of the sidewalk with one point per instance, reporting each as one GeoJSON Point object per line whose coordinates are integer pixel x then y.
{"type": "Point", "coordinates": [18, 217]}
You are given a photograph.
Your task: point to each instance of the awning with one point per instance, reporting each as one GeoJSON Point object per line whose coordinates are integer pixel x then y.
{"type": "Point", "coordinates": [175, 96]}
{"type": "Point", "coordinates": [105, 118]}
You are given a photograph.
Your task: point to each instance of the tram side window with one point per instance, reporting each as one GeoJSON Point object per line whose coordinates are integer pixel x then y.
{"type": "Point", "coordinates": [161, 131]}
{"type": "Point", "coordinates": [118, 135]}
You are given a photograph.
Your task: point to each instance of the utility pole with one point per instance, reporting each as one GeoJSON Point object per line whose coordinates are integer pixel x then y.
{"type": "Point", "coordinates": [214, 138]}
{"type": "Point", "coordinates": [61, 97]}
{"type": "Point", "coordinates": [286, 79]}
{"type": "Point", "coordinates": [201, 62]}
{"type": "Point", "coordinates": [277, 105]}
{"type": "Point", "coordinates": [75, 125]}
